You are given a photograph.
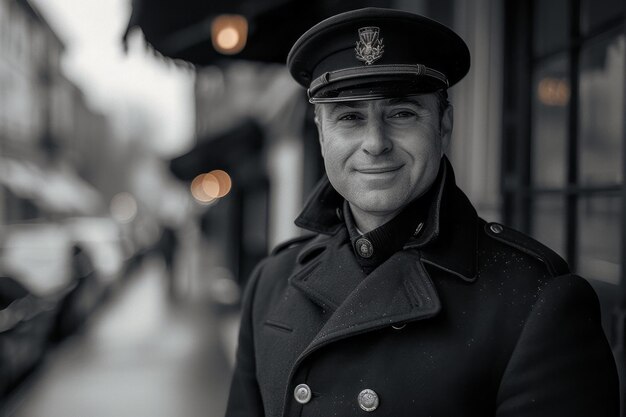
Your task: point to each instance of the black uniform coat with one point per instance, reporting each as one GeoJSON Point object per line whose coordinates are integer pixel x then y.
{"type": "Point", "coordinates": [487, 321]}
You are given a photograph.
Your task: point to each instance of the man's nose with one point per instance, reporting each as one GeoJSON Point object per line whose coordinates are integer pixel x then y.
{"type": "Point", "coordinates": [376, 141]}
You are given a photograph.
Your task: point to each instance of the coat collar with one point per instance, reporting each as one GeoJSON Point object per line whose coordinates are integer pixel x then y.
{"type": "Point", "coordinates": [448, 239]}
{"type": "Point", "coordinates": [397, 292]}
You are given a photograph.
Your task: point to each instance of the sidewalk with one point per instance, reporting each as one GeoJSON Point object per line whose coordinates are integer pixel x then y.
{"type": "Point", "coordinates": [138, 357]}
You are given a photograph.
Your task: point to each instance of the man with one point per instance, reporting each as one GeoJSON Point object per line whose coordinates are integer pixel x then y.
{"type": "Point", "coordinates": [404, 302]}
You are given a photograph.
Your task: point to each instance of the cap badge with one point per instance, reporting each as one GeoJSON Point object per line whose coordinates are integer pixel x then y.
{"type": "Point", "coordinates": [369, 47]}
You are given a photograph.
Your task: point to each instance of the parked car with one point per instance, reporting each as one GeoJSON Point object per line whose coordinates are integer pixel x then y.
{"type": "Point", "coordinates": [25, 323]}
{"type": "Point", "coordinates": [38, 255]}
{"type": "Point", "coordinates": [43, 258]}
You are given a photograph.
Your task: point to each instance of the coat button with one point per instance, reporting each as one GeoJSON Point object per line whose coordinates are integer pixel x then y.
{"type": "Point", "coordinates": [302, 393]}
{"type": "Point", "coordinates": [496, 228]}
{"type": "Point", "coordinates": [398, 326]}
{"type": "Point", "coordinates": [368, 400]}
{"type": "Point", "coordinates": [364, 248]}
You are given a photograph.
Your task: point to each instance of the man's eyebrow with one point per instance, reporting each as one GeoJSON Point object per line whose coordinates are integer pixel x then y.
{"type": "Point", "coordinates": [358, 104]}
{"type": "Point", "coordinates": [350, 104]}
{"type": "Point", "coordinates": [346, 104]}
{"type": "Point", "coordinates": [411, 100]}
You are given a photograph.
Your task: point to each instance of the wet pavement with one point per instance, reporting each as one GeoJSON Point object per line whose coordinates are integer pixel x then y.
{"type": "Point", "coordinates": [139, 356]}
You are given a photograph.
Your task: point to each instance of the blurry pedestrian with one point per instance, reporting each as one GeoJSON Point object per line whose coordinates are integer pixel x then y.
{"type": "Point", "coordinates": [404, 302]}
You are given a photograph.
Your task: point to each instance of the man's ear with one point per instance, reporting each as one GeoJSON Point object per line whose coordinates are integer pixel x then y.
{"type": "Point", "coordinates": [447, 120]}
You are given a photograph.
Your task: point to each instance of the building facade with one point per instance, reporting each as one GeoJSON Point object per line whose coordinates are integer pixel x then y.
{"type": "Point", "coordinates": [48, 134]}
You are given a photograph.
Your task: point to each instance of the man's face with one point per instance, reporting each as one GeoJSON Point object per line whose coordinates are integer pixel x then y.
{"type": "Point", "coordinates": [381, 154]}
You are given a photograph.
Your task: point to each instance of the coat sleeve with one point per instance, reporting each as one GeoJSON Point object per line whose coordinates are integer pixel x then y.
{"type": "Point", "coordinates": [245, 398]}
{"type": "Point", "coordinates": [562, 364]}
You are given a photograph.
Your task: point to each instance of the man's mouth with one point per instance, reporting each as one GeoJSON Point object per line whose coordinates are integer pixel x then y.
{"type": "Point", "coordinates": [379, 170]}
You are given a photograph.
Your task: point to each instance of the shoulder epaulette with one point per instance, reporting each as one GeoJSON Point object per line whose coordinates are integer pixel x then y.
{"type": "Point", "coordinates": [555, 264]}
{"type": "Point", "coordinates": [291, 243]}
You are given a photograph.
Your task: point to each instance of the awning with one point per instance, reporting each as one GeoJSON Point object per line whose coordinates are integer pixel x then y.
{"type": "Point", "coordinates": [225, 151]}
{"type": "Point", "coordinates": [182, 29]}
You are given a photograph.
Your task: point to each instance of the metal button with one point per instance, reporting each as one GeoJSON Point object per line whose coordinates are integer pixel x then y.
{"type": "Point", "coordinates": [496, 228]}
{"type": "Point", "coordinates": [364, 248]}
{"type": "Point", "coordinates": [302, 393]}
{"type": "Point", "coordinates": [398, 326]}
{"type": "Point", "coordinates": [368, 400]}
{"type": "Point", "coordinates": [418, 229]}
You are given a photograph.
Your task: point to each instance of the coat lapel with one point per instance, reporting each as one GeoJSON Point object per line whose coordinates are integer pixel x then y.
{"type": "Point", "coordinates": [332, 275]}
{"type": "Point", "coordinates": [398, 291]}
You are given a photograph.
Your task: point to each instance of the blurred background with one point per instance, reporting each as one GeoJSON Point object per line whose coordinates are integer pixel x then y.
{"type": "Point", "coordinates": [151, 152]}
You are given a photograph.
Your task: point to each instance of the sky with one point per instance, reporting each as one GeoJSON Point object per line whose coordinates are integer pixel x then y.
{"type": "Point", "coordinates": [140, 92]}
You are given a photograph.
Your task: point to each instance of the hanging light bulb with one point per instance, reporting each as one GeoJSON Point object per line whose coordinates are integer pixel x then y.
{"type": "Point", "coordinates": [229, 33]}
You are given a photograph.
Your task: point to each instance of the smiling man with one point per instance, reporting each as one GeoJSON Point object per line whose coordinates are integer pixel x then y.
{"type": "Point", "coordinates": [404, 302]}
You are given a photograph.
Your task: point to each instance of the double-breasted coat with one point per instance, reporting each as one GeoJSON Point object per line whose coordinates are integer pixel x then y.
{"type": "Point", "coordinates": [468, 319]}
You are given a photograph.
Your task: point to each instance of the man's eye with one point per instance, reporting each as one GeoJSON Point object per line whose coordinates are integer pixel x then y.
{"type": "Point", "coordinates": [402, 114]}
{"type": "Point", "coordinates": [349, 116]}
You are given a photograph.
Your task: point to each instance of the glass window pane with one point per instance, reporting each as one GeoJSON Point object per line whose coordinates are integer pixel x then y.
{"type": "Point", "coordinates": [601, 111]}
{"type": "Point", "coordinates": [594, 13]}
{"type": "Point", "coordinates": [551, 92]}
{"type": "Point", "coordinates": [599, 240]}
{"type": "Point", "coordinates": [548, 221]}
{"type": "Point", "coordinates": [551, 27]}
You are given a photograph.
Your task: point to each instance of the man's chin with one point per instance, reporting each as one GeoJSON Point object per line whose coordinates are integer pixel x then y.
{"type": "Point", "coordinates": [378, 206]}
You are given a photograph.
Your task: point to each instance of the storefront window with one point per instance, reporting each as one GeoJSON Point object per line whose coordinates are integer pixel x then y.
{"type": "Point", "coordinates": [599, 243]}
{"type": "Point", "coordinates": [595, 13]}
{"type": "Point", "coordinates": [551, 25]}
{"type": "Point", "coordinates": [551, 92]}
{"type": "Point", "coordinates": [601, 111]}
{"type": "Point", "coordinates": [548, 223]}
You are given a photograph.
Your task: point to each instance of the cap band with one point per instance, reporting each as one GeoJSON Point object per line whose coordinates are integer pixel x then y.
{"type": "Point", "coordinates": [361, 73]}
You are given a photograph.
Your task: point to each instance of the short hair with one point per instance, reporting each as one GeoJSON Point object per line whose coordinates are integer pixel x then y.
{"type": "Point", "coordinates": [442, 101]}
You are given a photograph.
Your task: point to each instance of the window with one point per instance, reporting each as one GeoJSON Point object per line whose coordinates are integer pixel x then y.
{"type": "Point", "coordinates": [564, 164]}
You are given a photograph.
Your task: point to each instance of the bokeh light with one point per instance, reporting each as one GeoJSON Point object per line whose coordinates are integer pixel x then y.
{"type": "Point", "coordinates": [228, 38]}
{"type": "Point", "coordinates": [208, 187]}
{"type": "Point", "coordinates": [553, 92]}
{"type": "Point", "coordinates": [229, 33]}
{"type": "Point", "coordinates": [223, 180]}
{"type": "Point", "coordinates": [197, 190]}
